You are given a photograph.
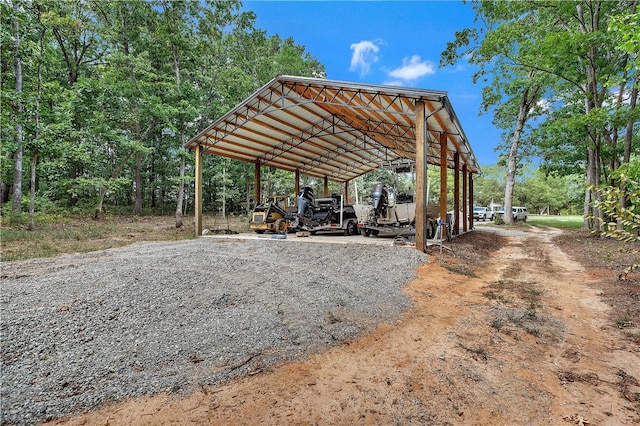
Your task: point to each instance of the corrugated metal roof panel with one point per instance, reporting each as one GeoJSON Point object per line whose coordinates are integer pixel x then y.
{"type": "Point", "coordinates": [330, 128]}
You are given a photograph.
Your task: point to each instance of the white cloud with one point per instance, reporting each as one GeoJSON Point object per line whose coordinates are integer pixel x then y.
{"type": "Point", "coordinates": [543, 105]}
{"type": "Point", "coordinates": [393, 83]}
{"type": "Point", "coordinates": [364, 54]}
{"type": "Point", "coordinates": [458, 68]}
{"type": "Point", "coordinates": [412, 69]}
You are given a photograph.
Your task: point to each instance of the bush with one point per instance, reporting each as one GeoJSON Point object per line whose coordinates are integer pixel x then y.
{"type": "Point", "coordinates": [626, 215]}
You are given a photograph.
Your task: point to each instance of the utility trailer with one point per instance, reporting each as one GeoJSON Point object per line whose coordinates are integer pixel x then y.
{"type": "Point", "coordinates": [324, 214]}
{"type": "Point", "coordinates": [395, 214]}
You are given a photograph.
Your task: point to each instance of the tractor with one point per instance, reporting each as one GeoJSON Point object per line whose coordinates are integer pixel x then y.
{"type": "Point", "coordinates": [270, 216]}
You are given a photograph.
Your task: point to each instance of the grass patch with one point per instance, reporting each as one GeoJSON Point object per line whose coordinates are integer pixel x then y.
{"type": "Point", "coordinates": [460, 270]}
{"type": "Point", "coordinates": [519, 305]}
{"type": "Point", "coordinates": [562, 222]}
{"type": "Point", "coordinates": [54, 235]}
{"type": "Point", "coordinates": [498, 297]}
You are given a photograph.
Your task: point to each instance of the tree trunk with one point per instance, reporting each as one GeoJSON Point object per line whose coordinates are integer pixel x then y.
{"type": "Point", "coordinates": [588, 194]}
{"type": "Point", "coordinates": [98, 213]}
{"type": "Point", "coordinates": [523, 113]}
{"type": "Point", "coordinates": [34, 158]}
{"type": "Point", "coordinates": [511, 169]}
{"type": "Point", "coordinates": [18, 108]}
{"type": "Point", "coordinates": [624, 199]}
{"type": "Point", "coordinates": [247, 189]}
{"type": "Point", "coordinates": [138, 203]}
{"type": "Point", "coordinates": [180, 191]}
{"type": "Point", "coordinates": [176, 66]}
{"type": "Point", "coordinates": [32, 195]}
{"type": "Point", "coordinates": [267, 186]}
{"type": "Point", "coordinates": [103, 190]}
{"type": "Point", "coordinates": [224, 190]}
{"type": "Point", "coordinates": [152, 181]}
{"type": "Point", "coordinates": [629, 136]}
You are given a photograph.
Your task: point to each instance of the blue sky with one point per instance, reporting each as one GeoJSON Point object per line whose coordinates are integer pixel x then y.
{"type": "Point", "coordinates": [388, 42]}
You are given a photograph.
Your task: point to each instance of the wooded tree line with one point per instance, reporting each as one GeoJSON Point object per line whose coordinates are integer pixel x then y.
{"type": "Point", "coordinates": [98, 98]}
{"type": "Point", "coordinates": [561, 78]}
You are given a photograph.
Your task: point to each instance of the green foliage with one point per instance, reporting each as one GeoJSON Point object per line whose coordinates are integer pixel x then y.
{"type": "Point", "coordinates": [625, 26]}
{"type": "Point", "coordinates": [550, 192]}
{"type": "Point", "coordinates": [538, 189]}
{"type": "Point", "coordinates": [553, 221]}
{"type": "Point", "coordinates": [489, 187]}
{"type": "Point", "coordinates": [124, 85]}
{"type": "Point", "coordinates": [621, 207]}
{"type": "Point", "coordinates": [580, 59]}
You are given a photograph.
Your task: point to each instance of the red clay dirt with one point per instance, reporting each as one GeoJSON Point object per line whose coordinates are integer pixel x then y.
{"type": "Point", "coordinates": [526, 339]}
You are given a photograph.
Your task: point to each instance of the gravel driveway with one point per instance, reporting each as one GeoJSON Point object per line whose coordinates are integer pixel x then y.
{"type": "Point", "coordinates": [82, 330]}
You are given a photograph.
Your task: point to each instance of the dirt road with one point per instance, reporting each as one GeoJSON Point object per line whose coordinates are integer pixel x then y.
{"type": "Point", "coordinates": [524, 340]}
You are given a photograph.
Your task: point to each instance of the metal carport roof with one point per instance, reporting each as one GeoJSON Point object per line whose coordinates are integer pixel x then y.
{"type": "Point", "coordinates": [333, 129]}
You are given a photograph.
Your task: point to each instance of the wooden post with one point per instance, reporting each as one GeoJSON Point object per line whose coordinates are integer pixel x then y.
{"type": "Point", "coordinates": [443, 180]}
{"type": "Point", "coordinates": [470, 200]}
{"type": "Point", "coordinates": [347, 200]}
{"type": "Point", "coordinates": [256, 184]}
{"type": "Point", "coordinates": [198, 192]}
{"type": "Point", "coordinates": [465, 201]}
{"type": "Point", "coordinates": [326, 187]}
{"type": "Point", "coordinates": [297, 182]}
{"type": "Point", "coordinates": [421, 178]}
{"type": "Point", "coordinates": [456, 193]}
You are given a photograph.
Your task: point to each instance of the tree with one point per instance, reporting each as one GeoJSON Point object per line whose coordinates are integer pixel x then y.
{"type": "Point", "coordinates": [488, 188]}
{"type": "Point", "coordinates": [530, 95]}
{"type": "Point", "coordinates": [108, 93]}
{"type": "Point", "coordinates": [37, 135]}
{"type": "Point", "coordinates": [128, 27]}
{"type": "Point", "coordinates": [514, 91]}
{"type": "Point", "coordinates": [565, 44]}
{"type": "Point", "coordinates": [18, 110]}
{"type": "Point", "coordinates": [584, 57]}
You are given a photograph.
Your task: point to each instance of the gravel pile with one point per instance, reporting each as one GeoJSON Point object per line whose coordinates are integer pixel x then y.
{"type": "Point", "coordinates": [82, 330]}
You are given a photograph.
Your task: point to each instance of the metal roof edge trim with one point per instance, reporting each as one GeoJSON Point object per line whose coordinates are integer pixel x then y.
{"type": "Point", "coordinates": [413, 93]}
{"type": "Point", "coordinates": [456, 122]}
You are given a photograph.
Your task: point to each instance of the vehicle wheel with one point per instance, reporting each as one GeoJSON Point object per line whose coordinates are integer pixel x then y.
{"type": "Point", "coordinates": [308, 212]}
{"type": "Point", "coordinates": [367, 232]}
{"type": "Point", "coordinates": [351, 228]}
{"type": "Point", "coordinates": [281, 226]}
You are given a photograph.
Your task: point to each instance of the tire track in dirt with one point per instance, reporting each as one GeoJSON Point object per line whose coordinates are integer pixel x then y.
{"type": "Point", "coordinates": [523, 343]}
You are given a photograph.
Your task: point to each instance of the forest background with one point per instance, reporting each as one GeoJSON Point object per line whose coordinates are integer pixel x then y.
{"type": "Point", "coordinates": [99, 97]}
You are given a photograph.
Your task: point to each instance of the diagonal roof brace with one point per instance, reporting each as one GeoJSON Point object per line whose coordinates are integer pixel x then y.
{"type": "Point", "coordinates": [332, 128]}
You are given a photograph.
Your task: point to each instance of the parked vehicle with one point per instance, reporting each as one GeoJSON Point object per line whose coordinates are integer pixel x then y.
{"type": "Point", "coordinates": [480, 213]}
{"type": "Point", "coordinates": [394, 214]}
{"type": "Point", "coordinates": [323, 214]}
{"type": "Point", "coordinates": [270, 216]}
{"type": "Point", "coordinates": [492, 211]}
{"type": "Point", "coordinates": [519, 213]}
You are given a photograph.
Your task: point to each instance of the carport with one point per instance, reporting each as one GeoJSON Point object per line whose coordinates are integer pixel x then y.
{"type": "Point", "coordinates": [337, 131]}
